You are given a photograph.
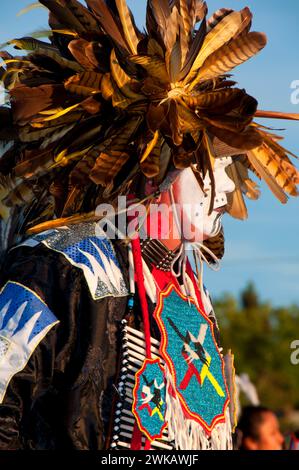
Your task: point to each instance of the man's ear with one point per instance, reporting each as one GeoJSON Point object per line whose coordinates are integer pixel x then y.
{"type": "Point", "coordinates": [250, 444]}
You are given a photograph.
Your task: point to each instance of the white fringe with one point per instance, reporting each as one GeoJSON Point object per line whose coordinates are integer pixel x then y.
{"type": "Point", "coordinates": [187, 434]}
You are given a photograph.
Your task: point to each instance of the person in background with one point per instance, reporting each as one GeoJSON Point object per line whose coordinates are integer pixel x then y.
{"type": "Point", "coordinates": [258, 429]}
{"type": "Point", "coordinates": [292, 441]}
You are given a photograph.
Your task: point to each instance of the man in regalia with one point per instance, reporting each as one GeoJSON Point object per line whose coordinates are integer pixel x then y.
{"type": "Point", "coordinates": [112, 341]}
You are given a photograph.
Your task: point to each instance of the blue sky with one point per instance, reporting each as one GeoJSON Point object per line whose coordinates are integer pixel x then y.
{"type": "Point", "coordinates": [265, 248]}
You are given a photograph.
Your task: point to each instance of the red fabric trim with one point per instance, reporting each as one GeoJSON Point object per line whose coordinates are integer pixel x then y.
{"type": "Point", "coordinates": [136, 249]}
{"type": "Point", "coordinates": [136, 438]}
{"type": "Point", "coordinates": [164, 278]}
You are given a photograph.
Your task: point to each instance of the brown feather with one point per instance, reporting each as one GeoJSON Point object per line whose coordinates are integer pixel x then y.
{"type": "Point", "coordinates": [150, 160]}
{"type": "Point", "coordinates": [251, 189]}
{"type": "Point", "coordinates": [107, 20]}
{"type": "Point", "coordinates": [224, 150]}
{"type": "Point", "coordinates": [28, 102]}
{"type": "Point", "coordinates": [246, 22]}
{"type": "Point", "coordinates": [246, 140]}
{"type": "Point", "coordinates": [187, 12]}
{"type": "Point", "coordinates": [281, 170]}
{"type": "Point", "coordinates": [237, 207]}
{"type": "Point", "coordinates": [127, 25]}
{"type": "Point", "coordinates": [57, 58]}
{"type": "Point", "coordinates": [175, 62]}
{"type": "Point", "coordinates": [107, 166]}
{"type": "Point", "coordinates": [161, 12]}
{"type": "Point", "coordinates": [63, 15]}
{"type": "Point", "coordinates": [201, 10]}
{"type": "Point", "coordinates": [37, 163]}
{"type": "Point", "coordinates": [84, 84]}
{"type": "Point", "coordinates": [114, 153]}
{"type": "Point", "coordinates": [213, 100]}
{"type": "Point", "coordinates": [73, 202]}
{"type": "Point", "coordinates": [82, 14]}
{"type": "Point", "coordinates": [216, 245]}
{"type": "Point", "coordinates": [187, 15]}
{"type": "Point", "coordinates": [154, 48]}
{"type": "Point", "coordinates": [78, 48]}
{"type": "Point", "coordinates": [174, 123]}
{"type": "Point", "coordinates": [231, 55]}
{"type": "Point", "coordinates": [194, 50]}
{"type": "Point", "coordinates": [171, 32]}
{"type": "Point", "coordinates": [122, 80]}
{"type": "Point", "coordinates": [154, 67]}
{"type": "Point", "coordinates": [106, 87]}
{"type": "Point", "coordinates": [267, 177]}
{"type": "Point", "coordinates": [217, 16]}
{"type": "Point", "coordinates": [215, 39]}
{"type": "Point", "coordinates": [276, 115]}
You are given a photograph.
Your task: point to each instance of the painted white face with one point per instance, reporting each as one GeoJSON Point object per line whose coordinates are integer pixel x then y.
{"type": "Point", "coordinates": [196, 222]}
{"type": "Point", "coordinates": [223, 186]}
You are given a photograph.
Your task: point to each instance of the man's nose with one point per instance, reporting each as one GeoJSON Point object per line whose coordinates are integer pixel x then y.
{"type": "Point", "coordinates": [225, 184]}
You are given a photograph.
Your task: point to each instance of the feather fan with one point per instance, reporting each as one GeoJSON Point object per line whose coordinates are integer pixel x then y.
{"type": "Point", "coordinates": [102, 105]}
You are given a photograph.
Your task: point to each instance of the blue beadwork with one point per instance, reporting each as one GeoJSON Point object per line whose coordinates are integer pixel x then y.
{"type": "Point", "coordinates": [17, 294]}
{"type": "Point", "coordinates": [201, 399]}
{"type": "Point", "coordinates": [85, 247]}
{"type": "Point", "coordinates": [151, 415]}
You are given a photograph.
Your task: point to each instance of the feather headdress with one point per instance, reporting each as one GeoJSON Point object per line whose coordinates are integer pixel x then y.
{"type": "Point", "coordinates": [102, 103]}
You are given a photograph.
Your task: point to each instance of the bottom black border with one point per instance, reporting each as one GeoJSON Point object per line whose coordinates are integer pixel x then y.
{"type": "Point", "coordinates": [131, 459]}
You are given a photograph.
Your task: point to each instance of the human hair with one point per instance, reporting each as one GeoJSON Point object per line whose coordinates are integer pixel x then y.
{"type": "Point", "coordinates": [249, 423]}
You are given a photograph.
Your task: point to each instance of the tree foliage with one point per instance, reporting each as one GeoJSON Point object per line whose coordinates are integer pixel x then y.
{"type": "Point", "coordinates": [260, 336]}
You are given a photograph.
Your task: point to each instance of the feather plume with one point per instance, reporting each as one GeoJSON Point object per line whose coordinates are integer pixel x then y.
{"type": "Point", "coordinates": [280, 169]}
{"type": "Point", "coordinates": [194, 50]}
{"type": "Point", "coordinates": [30, 101]}
{"type": "Point", "coordinates": [107, 20]}
{"type": "Point", "coordinates": [78, 49]}
{"type": "Point", "coordinates": [237, 207]}
{"type": "Point", "coordinates": [263, 173]}
{"type": "Point", "coordinates": [63, 15]}
{"type": "Point", "coordinates": [277, 115]}
{"type": "Point", "coordinates": [103, 104]}
{"type": "Point", "coordinates": [84, 84]}
{"type": "Point", "coordinates": [217, 37]}
{"type": "Point", "coordinates": [217, 16]}
{"type": "Point", "coordinates": [127, 25]}
{"type": "Point", "coordinates": [154, 66]}
{"type": "Point", "coordinates": [231, 55]}
{"type": "Point", "coordinates": [81, 13]}
{"type": "Point", "coordinates": [161, 12]}
{"type": "Point", "coordinates": [201, 10]}
{"type": "Point", "coordinates": [29, 8]}
{"type": "Point", "coordinates": [216, 245]}
{"type": "Point", "coordinates": [150, 160]}
{"type": "Point", "coordinates": [246, 22]}
{"type": "Point", "coordinates": [246, 140]}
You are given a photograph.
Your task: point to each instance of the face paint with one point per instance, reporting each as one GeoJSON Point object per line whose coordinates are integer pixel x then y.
{"type": "Point", "coordinates": [193, 204]}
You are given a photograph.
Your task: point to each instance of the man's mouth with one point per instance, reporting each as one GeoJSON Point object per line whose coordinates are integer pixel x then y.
{"type": "Point", "coordinates": [221, 209]}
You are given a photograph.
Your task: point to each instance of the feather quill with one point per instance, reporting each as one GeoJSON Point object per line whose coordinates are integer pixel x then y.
{"type": "Point", "coordinates": [277, 115]}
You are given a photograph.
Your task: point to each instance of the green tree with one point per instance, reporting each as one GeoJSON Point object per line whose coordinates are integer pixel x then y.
{"type": "Point", "coordinates": [260, 337]}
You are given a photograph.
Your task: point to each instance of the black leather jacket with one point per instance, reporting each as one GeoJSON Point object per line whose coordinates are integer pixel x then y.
{"type": "Point", "coordinates": [62, 398]}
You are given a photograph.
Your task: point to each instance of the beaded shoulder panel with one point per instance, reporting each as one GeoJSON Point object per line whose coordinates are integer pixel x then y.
{"type": "Point", "coordinates": [87, 247]}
